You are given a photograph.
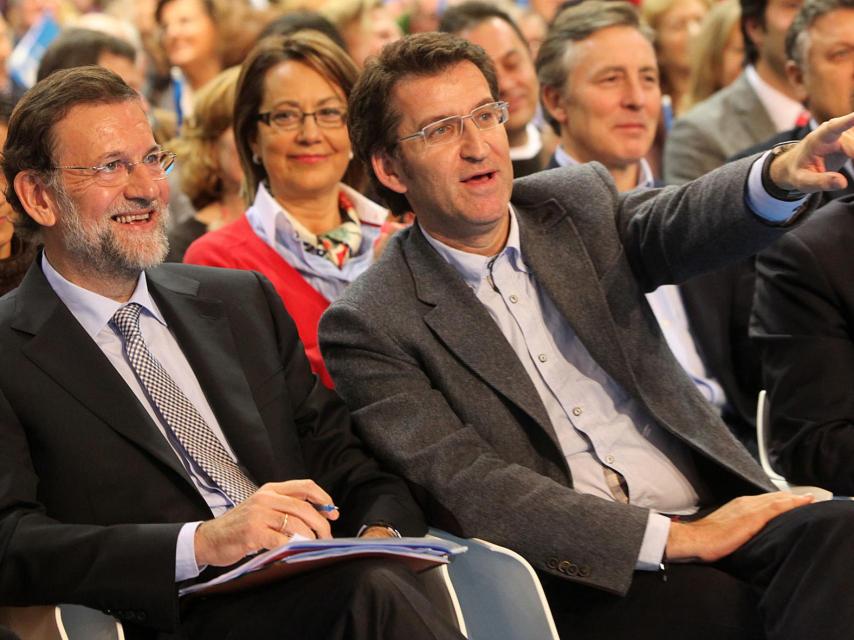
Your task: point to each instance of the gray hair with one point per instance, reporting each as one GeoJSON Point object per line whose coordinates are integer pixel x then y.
{"type": "Point", "coordinates": [574, 24]}
{"type": "Point", "coordinates": [797, 37]}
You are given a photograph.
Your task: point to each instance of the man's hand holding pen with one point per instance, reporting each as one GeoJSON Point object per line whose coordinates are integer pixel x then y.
{"type": "Point", "coordinates": [265, 520]}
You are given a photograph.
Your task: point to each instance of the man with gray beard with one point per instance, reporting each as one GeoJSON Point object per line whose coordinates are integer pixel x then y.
{"type": "Point", "coordinates": [160, 420]}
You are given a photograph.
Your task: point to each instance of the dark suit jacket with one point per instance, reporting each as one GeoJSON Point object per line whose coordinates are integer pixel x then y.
{"type": "Point", "coordinates": [803, 323]}
{"type": "Point", "coordinates": [442, 398]}
{"type": "Point", "coordinates": [717, 305]}
{"type": "Point", "coordinates": [91, 495]}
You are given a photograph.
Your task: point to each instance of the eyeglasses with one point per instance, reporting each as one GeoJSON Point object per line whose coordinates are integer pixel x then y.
{"type": "Point", "coordinates": [116, 172]}
{"type": "Point", "coordinates": [290, 119]}
{"type": "Point", "coordinates": [445, 130]}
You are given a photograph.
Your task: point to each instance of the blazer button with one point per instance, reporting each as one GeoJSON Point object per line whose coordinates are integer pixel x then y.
{"type": "Point", "coordinates": [140, 615]}
{"type": "Point", "coordinates": [564, 566]}
{"type": "Point", "coordinates": [584, 572]}
{"type": "Point", "coordinates": [551, 562]}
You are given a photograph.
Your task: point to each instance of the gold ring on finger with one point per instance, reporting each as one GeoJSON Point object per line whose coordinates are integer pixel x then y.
{"type": "Point", "coordinates": [284, 524]}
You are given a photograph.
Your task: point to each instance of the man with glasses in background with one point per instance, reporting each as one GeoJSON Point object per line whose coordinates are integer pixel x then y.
{"type": "Point", "coordinates": [160, 420]}
{"type": "Point", "coordinates": [502, 356]}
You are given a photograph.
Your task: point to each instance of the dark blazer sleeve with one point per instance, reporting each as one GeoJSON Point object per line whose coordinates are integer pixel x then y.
{"type": "Point", "coordinates": [335, 458]}
{"type": "Point", "coordinates": [126, 569]}
{"type": "Point", "coordinates": [802, 321]}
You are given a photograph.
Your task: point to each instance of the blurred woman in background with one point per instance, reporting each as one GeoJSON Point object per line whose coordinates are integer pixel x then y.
{"type": "Point", "coordinates": [717, 53]}
{"type": "Point", "coordinates": [200, 39]}
{"type": "Point", "coordinates": [210, 172]}
{"type": "Point", "coordinates": [675, 23]}
{"type": "Point", "coordinates": [306, 230]}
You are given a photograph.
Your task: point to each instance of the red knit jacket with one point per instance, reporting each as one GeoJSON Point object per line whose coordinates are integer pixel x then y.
{"type": "Point", "coordinates": [237, 246]}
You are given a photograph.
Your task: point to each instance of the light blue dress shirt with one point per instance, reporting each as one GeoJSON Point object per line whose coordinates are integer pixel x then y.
{"type": "Point", "coordinates": [597, 423]}
{"type": "Point", "coordinates": [94, 312]}
{"type": "Point", "coordinates": [270, 222]}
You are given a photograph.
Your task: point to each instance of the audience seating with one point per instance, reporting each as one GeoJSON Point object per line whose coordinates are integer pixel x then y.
{"type": "Point", "coordinates": [491, 592]}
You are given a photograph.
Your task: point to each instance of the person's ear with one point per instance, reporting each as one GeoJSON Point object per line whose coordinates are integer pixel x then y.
{"type": "Point", "coordinates": [755, 31]}
{"type": "Point", "coordinates": [388, 172]}
{"type": "Point", "coordinates": [36, 198]}
{"type": "Point", "coordinates": [553, 103]}
{"type": "Point", "coordinates": [796, 78]}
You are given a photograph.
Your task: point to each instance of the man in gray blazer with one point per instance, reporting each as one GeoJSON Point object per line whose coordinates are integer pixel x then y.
{"type": "Point", "coordinates": [503, 359]}
{"type": "Point", "coordinates": [758, 104]}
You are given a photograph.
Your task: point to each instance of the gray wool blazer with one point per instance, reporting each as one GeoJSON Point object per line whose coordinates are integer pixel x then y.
{"type": "Point", "coordinates": [442, 399]}
{"type": "Point", "coordinates": [716, 129]}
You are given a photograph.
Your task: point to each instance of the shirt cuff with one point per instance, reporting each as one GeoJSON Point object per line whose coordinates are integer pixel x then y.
{"type": "Point", "coordinates": [185, 553]}
{"type": "Point", "coordinates": [763, 203]}
{"type": "Point", "coordinates": [654, 542]}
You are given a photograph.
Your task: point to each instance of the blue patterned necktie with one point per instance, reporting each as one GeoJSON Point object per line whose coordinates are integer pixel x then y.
{"type": "Point", "coordinates": [178, 412]}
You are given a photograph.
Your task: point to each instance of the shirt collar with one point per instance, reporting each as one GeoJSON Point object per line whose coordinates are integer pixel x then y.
{"type": "Point", "coordinates": [782, 110]}
{"type": "Point", "coordinates": [94, 311]}
{"type": "Point", "coordinates": [645, 177]}
{"type": "Point", "coordinates": [474, 267]}
{"type": "Point", "coordinates": [531, 148]}
{"type": "Point", "coordinates": [269, 216]}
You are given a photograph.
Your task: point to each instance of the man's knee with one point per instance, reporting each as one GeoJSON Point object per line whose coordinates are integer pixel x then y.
{"type": "Point", "coordinates": [833, 519]}
{"type": "Point", "coordinates": [382, 581]}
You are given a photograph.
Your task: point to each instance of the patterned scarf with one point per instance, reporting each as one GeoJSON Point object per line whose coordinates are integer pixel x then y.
{"type": "Point", "coordinates": [338, 244]}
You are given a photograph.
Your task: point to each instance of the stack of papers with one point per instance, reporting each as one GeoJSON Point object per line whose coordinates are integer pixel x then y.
{"type": "Point", "coordinates": [301, 554]}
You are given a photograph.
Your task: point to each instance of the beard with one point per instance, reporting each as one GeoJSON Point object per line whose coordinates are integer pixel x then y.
{"type": "Point", "coordinates": [97, 248]}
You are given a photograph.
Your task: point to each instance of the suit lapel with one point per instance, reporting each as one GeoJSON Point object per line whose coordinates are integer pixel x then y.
{"type": "Point", "coordinates": [754, 123]}
{"type": "Point", "coordinates": [464, 325]}
{"type": "Point", "coordinates": [556, 254]}
{"type": "Point", "coordinates": [202, 328]}
{"type": "Point", "coordinates": [66, 353]}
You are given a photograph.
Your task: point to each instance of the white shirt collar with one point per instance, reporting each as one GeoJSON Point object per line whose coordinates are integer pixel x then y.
{"type": "Point", "coordinates": [92, 310]}
{"type": "Point", "coordinates": [645, 176]}
{"type": "Point", "coordinates": [782, 110]}
{"type": "Point", "coordinates": [531, 148]}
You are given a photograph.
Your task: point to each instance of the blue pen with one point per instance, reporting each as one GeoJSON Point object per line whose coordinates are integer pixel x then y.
{"type": "Point", "coordinates": [326, 508]}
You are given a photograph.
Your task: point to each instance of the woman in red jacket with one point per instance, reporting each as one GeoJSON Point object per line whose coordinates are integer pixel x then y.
{"type": "Point", "coordinates": [306, 230]}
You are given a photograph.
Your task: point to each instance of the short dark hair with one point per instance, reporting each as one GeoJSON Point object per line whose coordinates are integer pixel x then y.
{"type": "Point", "coordinates": [812, 10]}
{"type": "Point", "coordinates": [751, 11]}
{"type": "Point", "coordinates": [303, 20]}
{"type": "Point", "coordinates": [308, 47]}
{"type": "Point", "coordinates": [30, 143]}
{"type": "Point", "coordinates": [80, 48]}
{"type": "Point", "coordinates": [574, 24]}
{"type": "Point", "coordinates": [470, 14]}
{"type": "Point", "coordinates": [372, 119]}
